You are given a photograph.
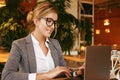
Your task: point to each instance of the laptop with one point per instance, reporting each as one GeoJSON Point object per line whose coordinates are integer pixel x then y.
{"type": "Point", "coordinates": [97, 63]}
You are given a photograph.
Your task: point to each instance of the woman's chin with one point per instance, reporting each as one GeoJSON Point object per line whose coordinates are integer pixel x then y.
{"type": "Point", "coordinates": [48, 35]}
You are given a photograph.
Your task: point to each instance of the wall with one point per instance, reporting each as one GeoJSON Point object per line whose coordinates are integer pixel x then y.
{"type": "Point", "coordinates": [107, 38]}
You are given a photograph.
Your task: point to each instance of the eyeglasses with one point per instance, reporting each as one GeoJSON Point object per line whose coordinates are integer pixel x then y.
{"type": "Point", "coordinates": [50, 22]}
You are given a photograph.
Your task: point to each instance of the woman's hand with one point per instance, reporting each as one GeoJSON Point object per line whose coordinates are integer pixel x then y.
{"type": "Point", "coordinates": [58, 70]}
{"type": "Point", "coordinates": [80, 70]}
{"type": "Point", "coordinates": [53, 73]}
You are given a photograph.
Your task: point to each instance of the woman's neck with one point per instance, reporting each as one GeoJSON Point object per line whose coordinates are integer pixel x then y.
{"type": "Point", "coordinates": [41, 41]}
{"type": "Point", "coordinates": [38, 37]}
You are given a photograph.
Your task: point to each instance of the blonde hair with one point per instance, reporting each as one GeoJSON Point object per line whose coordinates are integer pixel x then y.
{"type": "Point", "coordinates": [40, 10]}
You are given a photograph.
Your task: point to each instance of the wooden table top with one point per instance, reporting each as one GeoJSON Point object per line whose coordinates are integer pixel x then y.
{"type": "Point", "coordinates": [76, 58]}
{"type": "Point", "coordinates": [3, 56]}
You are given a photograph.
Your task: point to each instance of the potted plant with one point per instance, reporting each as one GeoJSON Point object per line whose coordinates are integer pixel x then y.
{"type": "Point", "coordinates": [11, 31]}
{"type": "Point", "coordinates": [11, 24]}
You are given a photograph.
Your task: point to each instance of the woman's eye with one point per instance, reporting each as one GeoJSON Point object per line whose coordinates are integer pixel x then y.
{"type": "Point", "coordinates": [49, 20]}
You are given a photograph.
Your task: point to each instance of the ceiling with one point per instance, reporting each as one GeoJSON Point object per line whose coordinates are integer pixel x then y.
{"type": "Point", "coordinates": [107, 3]}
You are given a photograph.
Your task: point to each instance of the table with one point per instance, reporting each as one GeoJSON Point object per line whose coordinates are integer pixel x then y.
{"type": "Point", "coordinates": [74, 61]}
{"type": "Point", "coordinates": [73, 78]}
{"type": "Point", "coordinates": [3, 56]}
{"type": "Point", "coordinates": [77, 58]}
{"type": "Point", "coordinates": [59, 79]}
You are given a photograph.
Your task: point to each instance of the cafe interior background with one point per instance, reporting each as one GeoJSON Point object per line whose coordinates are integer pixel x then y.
{"type": "Point", "coordinates": [93, 22]}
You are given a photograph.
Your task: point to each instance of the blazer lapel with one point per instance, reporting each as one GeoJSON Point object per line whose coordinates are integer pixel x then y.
{"type": "Point", "coordinates": [30, 54]}
{"type": "Point", "coordinates": [54, 53]}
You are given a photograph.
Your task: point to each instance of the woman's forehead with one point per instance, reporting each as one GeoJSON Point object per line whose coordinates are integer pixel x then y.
{"type": "Point", "coordinates": [52, 15]}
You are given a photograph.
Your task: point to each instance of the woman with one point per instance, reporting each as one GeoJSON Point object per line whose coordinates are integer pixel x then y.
{"type": "Point", "coordinates": [37, 56]}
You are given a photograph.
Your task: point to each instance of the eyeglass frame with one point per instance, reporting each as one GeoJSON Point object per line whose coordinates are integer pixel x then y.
{"type": "Point", "coordinates": [47, 22]}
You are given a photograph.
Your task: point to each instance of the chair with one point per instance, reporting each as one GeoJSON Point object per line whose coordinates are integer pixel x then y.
{"type": "Point", "coordinates": [115, 70]}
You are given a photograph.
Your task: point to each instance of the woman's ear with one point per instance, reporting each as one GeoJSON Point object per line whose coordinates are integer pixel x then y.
{"type": "Point", "coordinates": [36, 21]}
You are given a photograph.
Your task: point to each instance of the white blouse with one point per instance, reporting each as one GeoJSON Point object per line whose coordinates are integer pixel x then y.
{"type": "Point", "coordinates": [44, 63]}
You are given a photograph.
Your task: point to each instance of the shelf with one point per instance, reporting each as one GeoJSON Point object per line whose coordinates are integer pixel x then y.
{"type": "Point", "coordinates": [86, 15]}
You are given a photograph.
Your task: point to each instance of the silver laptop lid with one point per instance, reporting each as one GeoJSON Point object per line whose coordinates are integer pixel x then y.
{"type": "Point", "coordinates": [97, 63]}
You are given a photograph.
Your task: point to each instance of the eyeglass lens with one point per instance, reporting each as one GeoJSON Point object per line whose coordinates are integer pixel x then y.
{"type": "Point", "coordinates": [50, 22]}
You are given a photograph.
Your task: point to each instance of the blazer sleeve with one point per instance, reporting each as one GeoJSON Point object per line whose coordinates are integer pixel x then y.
{"type": "Point", "coordinates": [10, 71]}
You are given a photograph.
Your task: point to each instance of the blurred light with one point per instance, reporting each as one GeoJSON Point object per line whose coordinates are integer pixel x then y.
{"type": "Point", "coordinates": [2, 3]}
{"type": "Point", "coordinates": [107, 30]}
{"type": "Point", "coordinates": [97, 31]}
{"type": "Point", "coordinates": [106, 22]}
{"type": "Point", "coordinates": [82, 48]}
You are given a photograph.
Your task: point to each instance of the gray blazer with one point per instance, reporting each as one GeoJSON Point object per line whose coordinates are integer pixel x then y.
{"type": "Point", "coordinates": [22, 61]}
